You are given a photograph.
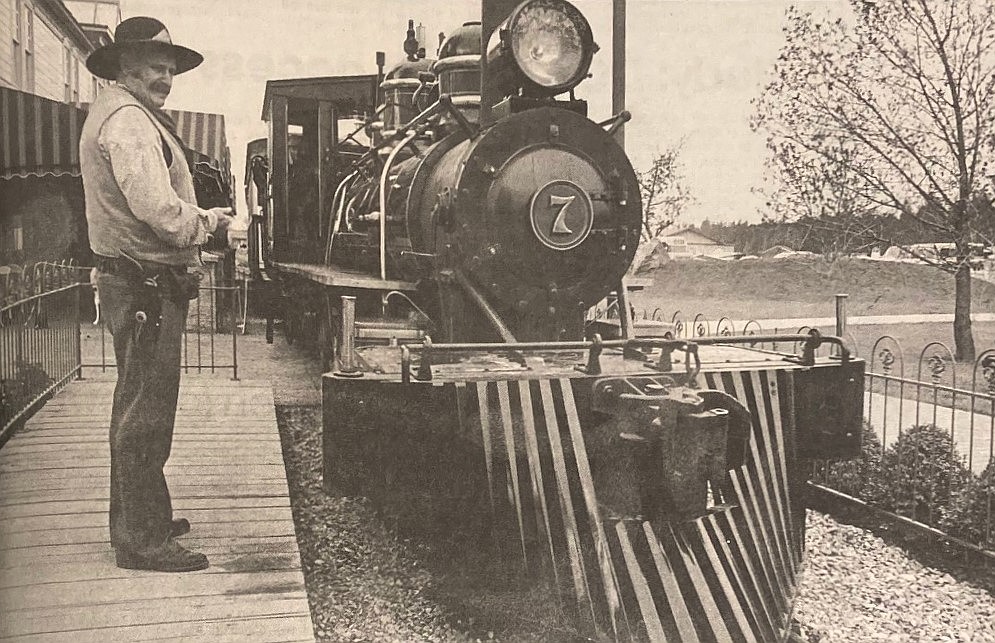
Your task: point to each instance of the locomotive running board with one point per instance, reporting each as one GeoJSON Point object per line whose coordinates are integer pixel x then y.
{"type": "Point", "coordinates": [730, 575]}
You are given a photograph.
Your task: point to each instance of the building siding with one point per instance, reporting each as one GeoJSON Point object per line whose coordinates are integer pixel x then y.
{"type": "Point", "coordinates": [49, 57]}
{"type": "Point", "coordinates": [49, 70]}
{"type": "Point", "coordinates": [6, 42]}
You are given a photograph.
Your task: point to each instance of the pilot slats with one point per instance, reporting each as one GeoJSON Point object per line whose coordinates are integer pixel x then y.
{"type": "Point", "coordinates": [730, 575]}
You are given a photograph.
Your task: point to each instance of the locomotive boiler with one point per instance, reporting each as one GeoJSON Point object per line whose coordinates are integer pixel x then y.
{"type": "Point", "coordinates": [531, 220]}
{"type": "Point", "coordinates": [438, 231]}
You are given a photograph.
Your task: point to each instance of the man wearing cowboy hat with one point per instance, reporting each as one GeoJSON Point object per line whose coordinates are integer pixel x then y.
{"type": "Point", "coordinates": [145, 230]}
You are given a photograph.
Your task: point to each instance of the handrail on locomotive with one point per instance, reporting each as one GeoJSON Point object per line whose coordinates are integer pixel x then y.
{"type": "Point", "coordinates": [811, 341]}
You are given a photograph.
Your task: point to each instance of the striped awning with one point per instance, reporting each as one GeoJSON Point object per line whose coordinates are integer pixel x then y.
{"type": "Point", "coordinates": [38, 136]}
{"type": "Point", "coordinates": [204, 133]}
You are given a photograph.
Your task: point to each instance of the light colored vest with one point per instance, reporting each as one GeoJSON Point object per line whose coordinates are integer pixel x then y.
{"type": "Point", "coordinates": [112, 226]}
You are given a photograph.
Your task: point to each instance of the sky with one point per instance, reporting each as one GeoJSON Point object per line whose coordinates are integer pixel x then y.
{"type": "Point", "coordinates": [693, 68]}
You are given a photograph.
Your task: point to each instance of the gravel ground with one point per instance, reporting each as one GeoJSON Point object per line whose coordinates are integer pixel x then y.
{"type": "Point", "coordinates": [367, 582]}
{"type": "Point", "coordinates": [859, 587]}
{"type": "Point", "coordinates": [363, 582]}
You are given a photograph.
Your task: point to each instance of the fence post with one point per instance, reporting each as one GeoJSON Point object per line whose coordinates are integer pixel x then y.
{"type": "Point", "coordinates": [234, 337]}
{"type": "Point", "coordinates": [841, 314]}
{"type": "Point", "coordinates": [77, 293]}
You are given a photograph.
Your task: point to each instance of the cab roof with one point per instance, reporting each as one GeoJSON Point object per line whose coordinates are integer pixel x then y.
{"type": "Point", "coordinates": [348, 94]}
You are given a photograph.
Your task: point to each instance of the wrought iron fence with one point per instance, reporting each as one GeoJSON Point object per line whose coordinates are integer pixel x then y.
{"type": "Point", "coordinates": [929, 452]}
{"type": "Point", "coordinates": [20, 282]}
{"type": "Point", "coordinates": [39, 351]}
{"type": "Point", "coordinates": [43, 345]}
{"type": "Point", "coordinates": [210, 337]}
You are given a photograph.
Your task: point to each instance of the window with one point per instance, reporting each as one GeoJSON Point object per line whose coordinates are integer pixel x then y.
{"type": "Point", "coordinates": [29, 49]}
{"type": "Point", "coordinates": [18, 45]}
{"type": "Point", "coordinates": [17, 234]}
{"type": "Point", "coordinates": [67, 73]}
{"type": "Point", "coordinates": [75, 97]}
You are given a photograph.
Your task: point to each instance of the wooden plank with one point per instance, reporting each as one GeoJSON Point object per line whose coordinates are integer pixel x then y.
{"type": "Point", "coordinates": [149, 586]}
{"type": "Point", "coordinates": [223, 443]}
{"type": "Point", "coordinates": [100, 506]}
{"type": "Point", "coordinates": [28, 442]}
{"type": "Point", "coordinates": [221, 483]}
{"type": "Point", "coordinates": [270, 627]}
{"type": "Point", "coordinates": [56, 460]}
{"type": "Point", "coordinates": [249, 425]}
{"type": "Point", "coordinates": [190, 431]}
{"type": "Point", "coordinates": [56, 619]}
{"type": "Point", "coordinates": [199, 518]}
{"type": "Point", "coordinates": [271, 489]}
{"type": "Point", "coordinates": [192, 471]}
{"type": "Point", "coordinates": [100, 554]}
{"type": "Point", "coordinates": [65, 570]}
{"type": "Point", "coordinates": [18, 540]}
{"type": "Point", "coordinates": [221, 438]}
{"type": "Point", "coordinates": [339, 277]}
{"type": "Point", "coordinates": [180, 449]}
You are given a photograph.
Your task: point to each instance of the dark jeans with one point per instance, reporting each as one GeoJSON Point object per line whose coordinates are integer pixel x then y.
{"type": "Point", "coordinates": [148, 380]}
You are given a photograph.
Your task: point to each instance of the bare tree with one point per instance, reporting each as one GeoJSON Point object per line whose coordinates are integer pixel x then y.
{"type": "Point", "coordinates": [664, 192]}
{"type": "Point", "coordinates": [893, 107]}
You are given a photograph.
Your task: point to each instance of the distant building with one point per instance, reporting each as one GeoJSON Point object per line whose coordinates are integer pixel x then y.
{"type": "Point", "coordinates": [939, 252]}
{"type": "Point", "coordinates": [677, 244]}
{"type": "Point", "coordinates": [44, 88]}
{"type": "Point", "coordinates": [686, 243]}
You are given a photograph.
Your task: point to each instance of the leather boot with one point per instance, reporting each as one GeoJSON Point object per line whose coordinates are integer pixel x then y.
{"type": "Point", "coordinates": [168, 557]}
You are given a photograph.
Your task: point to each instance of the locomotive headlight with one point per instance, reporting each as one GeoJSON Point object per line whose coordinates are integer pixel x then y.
{"type": "Point", "coordinates": [550, 44]}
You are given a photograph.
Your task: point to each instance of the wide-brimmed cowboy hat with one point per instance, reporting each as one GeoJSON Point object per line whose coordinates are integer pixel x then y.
{"type": "Point", "coordinates": [140, 31]}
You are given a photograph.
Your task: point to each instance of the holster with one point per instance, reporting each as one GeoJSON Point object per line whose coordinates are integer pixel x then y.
{"type": "Point", "coordinates": [167, 282]}
{"type": "Point", "coordinates": [184, 287]}
{"type": "Point", "coordinates": [153, 284]}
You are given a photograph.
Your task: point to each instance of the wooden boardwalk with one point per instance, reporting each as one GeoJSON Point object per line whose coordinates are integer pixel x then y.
{"type": "Point", "coordinates": [58, 580]}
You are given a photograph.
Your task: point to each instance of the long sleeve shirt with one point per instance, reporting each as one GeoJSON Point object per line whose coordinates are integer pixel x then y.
{"type": "Point", "coordinates": [136, 202]}
{"type": "Point", "coordinates": [132, 144]}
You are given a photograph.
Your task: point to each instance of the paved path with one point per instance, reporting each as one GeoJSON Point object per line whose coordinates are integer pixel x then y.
{"type": "Point", "coordinates": [972, 433]}
{"type": "Point", "coordinates": [58, 580]}
{"type": "Point", "coordinates": [829, 323]}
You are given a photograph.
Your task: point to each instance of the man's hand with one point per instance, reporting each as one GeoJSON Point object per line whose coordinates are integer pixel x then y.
{"type": "Point", "coordinates": [217, 241]}
{"type": "Point", "coordinates": [225, 217]}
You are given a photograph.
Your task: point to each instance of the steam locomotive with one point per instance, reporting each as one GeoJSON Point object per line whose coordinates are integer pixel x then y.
{"type": "Point", "coordinates": [439, 231]}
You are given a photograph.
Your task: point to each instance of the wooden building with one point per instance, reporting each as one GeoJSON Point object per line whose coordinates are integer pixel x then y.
{"type": "Point", "coordinates": [43, 48]}
{"type": "Point", "coordinates": [44, 87]}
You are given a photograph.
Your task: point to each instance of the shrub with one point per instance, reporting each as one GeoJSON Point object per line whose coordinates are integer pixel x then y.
{"type": "Point", "coordinates": [971, 514]}
{"type": "Point", "coordinates": [860, 476]}
{"type": "Point", "coordinates": [921, 471]}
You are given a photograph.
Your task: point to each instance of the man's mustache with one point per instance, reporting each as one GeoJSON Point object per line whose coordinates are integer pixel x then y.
{"type": "Point", "coordinates": [161, 87]}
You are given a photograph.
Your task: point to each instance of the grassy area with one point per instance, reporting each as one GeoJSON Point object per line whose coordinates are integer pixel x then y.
{"type": "Point", "coordinates": [802, 287]}
{"type": "Point", "coordinates": [913, 363]}
{"type": "Point", "coordinates": [913, 338]}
